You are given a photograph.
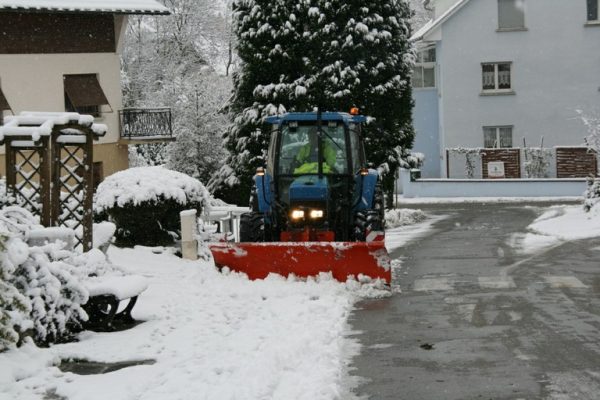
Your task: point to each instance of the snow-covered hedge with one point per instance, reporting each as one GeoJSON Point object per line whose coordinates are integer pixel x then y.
{"type": "Point", "coordinates": [135, 186]}
{"type": "Point", "coordinates": [41, 290]}
{"type": "Point", "coordinates": [5, 198]}
{"type": "Point", "coordinates": [592, 194]}
{"type": "Point", "coordinates": [145, 202]}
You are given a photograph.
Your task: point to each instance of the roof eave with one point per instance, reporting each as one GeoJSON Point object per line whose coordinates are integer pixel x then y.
{"type": "Point", "coordinates": [434, 25]}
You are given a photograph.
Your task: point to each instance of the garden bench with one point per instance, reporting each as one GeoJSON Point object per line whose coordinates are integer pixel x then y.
{"type": "Point", "coordinates": [106, 294]}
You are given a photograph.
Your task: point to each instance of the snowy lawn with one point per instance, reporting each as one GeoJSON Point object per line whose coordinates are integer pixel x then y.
{"type": "Point", "coordinates": [212, 335]}
{"type": "Point", "coordinates": [557, 225]}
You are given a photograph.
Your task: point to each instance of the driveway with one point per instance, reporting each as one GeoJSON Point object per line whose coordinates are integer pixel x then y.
{"type": "Point", "coordinates": [478, 319]}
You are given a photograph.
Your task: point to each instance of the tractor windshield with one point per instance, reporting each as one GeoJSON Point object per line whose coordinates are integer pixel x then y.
{"type": "Point", "coordinates": [299, 149]}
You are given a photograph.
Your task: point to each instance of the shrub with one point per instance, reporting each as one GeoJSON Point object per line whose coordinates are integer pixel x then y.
{"type": "Point", "coordinates": [592, 194]}
{"type": "Point", "coordinates": [145, 203]}
{"type": "Point", "coordinates": [40, 286]}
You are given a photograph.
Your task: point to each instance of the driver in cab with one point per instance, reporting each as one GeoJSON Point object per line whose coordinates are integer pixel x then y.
{"type": "Point", "coordinates": [308, 159]}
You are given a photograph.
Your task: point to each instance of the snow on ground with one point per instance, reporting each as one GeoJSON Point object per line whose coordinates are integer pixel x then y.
{"type": "Point", "coordinates": [557, 225]}
{"type": "Point", "coordinates": [403, 216]}
{"type": "Point", "coordinates": [213, 336]}
{"type": "Point", "coordinates": [409, 225]}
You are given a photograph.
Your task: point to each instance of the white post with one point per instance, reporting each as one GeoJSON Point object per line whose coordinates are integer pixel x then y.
{"type": "Point", "coordinates": [189, 244]}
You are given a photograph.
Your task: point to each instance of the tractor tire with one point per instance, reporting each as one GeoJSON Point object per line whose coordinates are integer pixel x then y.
{"type": "Point", "coordinates": [252, 227]}
{"type": "Point", "coordinates": [367, 221]}
{"type": "Point", "coordinates": [253, 200]}
{"type": "Point", "coordinates": [378, 201]}
{"type": "Point", "coordinates": [372, 219]}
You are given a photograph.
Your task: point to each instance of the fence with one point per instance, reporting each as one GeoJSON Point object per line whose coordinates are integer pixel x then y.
{"type": "Point", "coordinates": [532, 163]}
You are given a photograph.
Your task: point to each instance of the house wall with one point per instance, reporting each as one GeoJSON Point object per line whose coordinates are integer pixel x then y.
{"type": "Point", "coordinates": [555, 73]}
{"type": "Point", "coordinates": [34, 82]}
{"type": "Point", "coordinates": [426, 123]}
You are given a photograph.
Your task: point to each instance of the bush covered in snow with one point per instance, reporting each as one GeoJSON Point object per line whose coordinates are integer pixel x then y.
{"type": "Point", "coordinates": [592, 194]}
{"type": "Point", "coordinates": [6, 199]}
{"type": "Point", "coordinates": [145, 203]}
{"type": "Point", "coordinates": [403, 216]}
{"type": "Point", "coordinates": [41, 290]}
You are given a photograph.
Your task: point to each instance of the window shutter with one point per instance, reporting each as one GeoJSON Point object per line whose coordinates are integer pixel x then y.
{"type": "Point", "coordinates": [84, 90]}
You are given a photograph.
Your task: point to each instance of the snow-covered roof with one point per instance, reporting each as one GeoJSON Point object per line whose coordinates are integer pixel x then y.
{"type": "Point", "coordinates": [87, 6]}
{"type": "Point", "coordinates": [433, 24]}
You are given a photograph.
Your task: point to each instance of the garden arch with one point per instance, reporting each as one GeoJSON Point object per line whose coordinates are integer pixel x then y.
{"type": "Point", "coordinates": [49, 160]}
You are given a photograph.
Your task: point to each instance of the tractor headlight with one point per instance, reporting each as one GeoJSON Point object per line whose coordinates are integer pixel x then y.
{"type": "Point", "coordinates": [316, 214]}
{"type": "Point", "coordinates": [297, 214]}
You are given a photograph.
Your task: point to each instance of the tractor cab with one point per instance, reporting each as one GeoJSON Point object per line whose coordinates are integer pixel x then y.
{"type": "Point", "coordinates": [315, 176]}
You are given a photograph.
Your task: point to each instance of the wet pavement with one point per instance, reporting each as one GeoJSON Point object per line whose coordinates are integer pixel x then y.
{"type": "Point", "coordinates": [476, 319]}
{"type": "Point", "coordinates": [86, 367]}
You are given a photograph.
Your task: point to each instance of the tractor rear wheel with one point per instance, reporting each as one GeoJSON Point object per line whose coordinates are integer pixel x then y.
{"type": "Point", "coordinates": [252, 227]}
{"type": "Point", "coordinates": [372, 219]}
{"type": "Point", "coordinates": [366, 221]}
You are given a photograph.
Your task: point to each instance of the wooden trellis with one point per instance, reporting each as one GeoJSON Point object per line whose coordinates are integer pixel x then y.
{"type": "Point", "coordinates": [27, 174]}
{"type": "Point", "coordinates": [49, 163]}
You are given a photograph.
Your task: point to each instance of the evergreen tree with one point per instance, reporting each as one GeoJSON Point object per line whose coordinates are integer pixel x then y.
{"type": "Point", "coordinates": [333, 54]}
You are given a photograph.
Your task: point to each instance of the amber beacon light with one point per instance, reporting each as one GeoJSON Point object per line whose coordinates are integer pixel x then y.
{"type": "Point", "coordinates": [354, 111]}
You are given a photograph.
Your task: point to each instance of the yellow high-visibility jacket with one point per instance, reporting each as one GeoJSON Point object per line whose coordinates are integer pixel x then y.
{"type": "Point", "coordinates": [311, 167]}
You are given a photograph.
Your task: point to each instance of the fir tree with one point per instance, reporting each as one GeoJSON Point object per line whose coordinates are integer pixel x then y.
{"type": "Point", "coordinates": [333, 54]}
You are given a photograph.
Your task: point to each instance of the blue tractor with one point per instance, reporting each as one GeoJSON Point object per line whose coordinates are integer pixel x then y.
{"type": "Point", "coordinates": [315, 195]}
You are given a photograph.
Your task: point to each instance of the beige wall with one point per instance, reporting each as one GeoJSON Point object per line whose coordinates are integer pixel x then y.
{"type": "Point", "coordinates": [34, 82]}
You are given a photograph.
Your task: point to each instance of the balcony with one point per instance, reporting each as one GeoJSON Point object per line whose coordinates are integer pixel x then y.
{"type": "Point", "coordinates": [145, 125]}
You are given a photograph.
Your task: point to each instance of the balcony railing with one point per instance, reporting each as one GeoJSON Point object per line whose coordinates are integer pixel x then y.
{"type": "Point", "coordinates": [145, 123]}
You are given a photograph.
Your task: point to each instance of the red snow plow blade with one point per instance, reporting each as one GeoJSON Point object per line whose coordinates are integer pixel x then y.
{"type": "Point", "coordinates": [303, 259]}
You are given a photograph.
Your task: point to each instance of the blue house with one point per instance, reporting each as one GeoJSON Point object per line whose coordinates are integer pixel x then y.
{"type": "Point", "coordinates": [504, 74]}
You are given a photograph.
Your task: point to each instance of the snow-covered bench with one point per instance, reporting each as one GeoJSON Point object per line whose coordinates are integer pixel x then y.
{"type": "Point", "coordinates": [106, 293]}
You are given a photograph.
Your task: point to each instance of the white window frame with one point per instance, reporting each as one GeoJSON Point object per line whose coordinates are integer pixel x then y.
{"type": "Point", "coordinates": [497, 89]}
{"type": "Point", "coordinates": [426, 65]}
{"type": "Point", "coordinates": [497, 142]}
{"type": "Point", "coordinates": [587, 13]}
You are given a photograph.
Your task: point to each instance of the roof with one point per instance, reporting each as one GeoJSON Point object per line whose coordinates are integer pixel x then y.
{"type": "Point", "coordinates": [312, 116]}
{"type": "Point", "coordinates": [433, 24]}
{"type": "Point", "coordinates": [86, 6]}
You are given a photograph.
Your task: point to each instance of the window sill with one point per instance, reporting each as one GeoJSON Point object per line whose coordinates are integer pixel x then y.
{"type": "Point", "coordinates": [418, 89]}
{"type": "Point", "coordinates": [592, 23]}
{"type": "Point", "coordinates": [523, 29]}
{"type": "Point", "coordinates": [498, 93]}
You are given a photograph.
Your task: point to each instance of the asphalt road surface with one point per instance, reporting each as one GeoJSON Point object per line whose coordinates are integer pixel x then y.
{"type": "Point", "coordinates": [477, 319]}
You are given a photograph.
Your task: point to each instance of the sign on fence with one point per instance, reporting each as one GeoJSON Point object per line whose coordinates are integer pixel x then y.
{"type": "Point", "coordinates": [496, 170]}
